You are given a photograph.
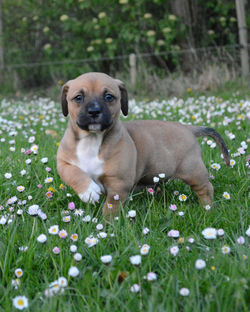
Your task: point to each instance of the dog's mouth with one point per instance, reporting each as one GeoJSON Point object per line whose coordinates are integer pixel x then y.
{"type": "Point", "coordinates": [94, 127]}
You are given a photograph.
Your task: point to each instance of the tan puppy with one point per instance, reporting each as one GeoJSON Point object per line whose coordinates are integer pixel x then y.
{"type": "Point", "coordinates": [100, 154]}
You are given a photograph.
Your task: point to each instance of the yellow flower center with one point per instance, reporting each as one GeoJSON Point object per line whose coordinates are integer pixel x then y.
{"type": "Point", "coordinates": [20, 302]}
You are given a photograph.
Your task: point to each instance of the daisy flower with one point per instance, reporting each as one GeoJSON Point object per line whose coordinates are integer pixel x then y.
{"type": "Point", "coordinates": [73, 271]}
{"type": "Point", "coordinates": [66, 219]}
{"type": "Point", "coordinates": [182, 197]}
{"type": "Point", "coordinates": [151, 191]}
{"type": "Point", "coordinates": [42, 238]}
{"type": "Point", "coordinates": [44, 160]}
{"type": "Point", "coordinates": [220, 232]}
{"type": "Point", "coordinates": [31, 139]}
{"type": "Point", "coordinates": [62, 282]}
{"type": "Point", "coordinates": [49, 194]}
{"type": "Point", "coordinates": [162, 175]}
{"type": "Point", "coordinates": [63, 234]}
{"type": "Point", "coordinates": [156, 179]}
{"type": "Point", "coordinates": [20, 302]}
{"type": "Point", "coordinates": [248, 231]}
{"type": "Point", "coordinates": [135, 260]}
{"type": "Point", "coordinates": [173, 207]}
{"type": "Point", "coordinates": [200, 264]}
{"type": "Point", "coordinates": [131, 214]}
{"type": "Point", "coordinates": [7, 175]}
{"type": "Point", "coordinates": [86, 218]}
{"type": "Point", "coordinates": [56, 250]}
{"type": "Point", "coordinates": [102, 235]}
{"type": "Point", "coordinates": [209, 233]}
{"type": "Point", "coordinates": [54, 229]}
{"type": "Point", "coordinates": [184, 292]}
{"type": "Point", "coordinates": [241, 240]}
{"type": "Point", "coordinates": [215, 166]}
{"type": "Point", "coordinates": [34, 148]}
{"type": "Point", "coordinates": [33, 210]}
{"type": "Point", "coordinates": [174, 250]}
{"type": "Point", "coordinates": [19, 272]}
{"type": "Point", "coordinates": [151, 276]}
{"type": "Point", "coordinates": [91, 241]}
{"type": "Point", "coordinates": [225, 250]}
{"type": "Point", "coordinates": [135, 288]}
{"type": "Point", "coordinates": [77, 256]}
{"type": "Point", "coordinates": [79, 212]}
{"type": "Point", "coordinates": [116, 197]}
{"type": "Point", "coordinates": [144, 249]}
{"type": "Point", "coordinates": [145, 231]}
{"type": "Point", "coordinates": [74, 237]}
{"type": "Point", "coordinates": [23, 172]}
{"type": "Point", "coordinates": [20, 188]}
{"type": "Point", "coordinates": [226, 195]}
{"type": "Point", "coordinates": [71, 206]}
{"type": "Point", "coordinates": [232, 162]}
{"type": "Point", "coordinates": [48, 180]}
{"type": "Point", "coordinates": [73, 248]}
{"type": "Point", "coordinates": [173, 233]}
{"type": "Point", "coordinates": [99, 227]}
{"type": "Point", "coordinates": [106, 259]}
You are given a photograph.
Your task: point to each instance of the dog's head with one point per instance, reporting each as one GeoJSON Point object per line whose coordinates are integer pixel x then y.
{"type": "Point", "coordinates": [94, 101]}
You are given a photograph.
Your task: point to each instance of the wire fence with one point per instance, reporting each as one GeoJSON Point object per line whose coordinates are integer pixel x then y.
{"type": "Point", "coordinates": [194, 51]}
{"type": "Point", "coordinates": [132, 66]}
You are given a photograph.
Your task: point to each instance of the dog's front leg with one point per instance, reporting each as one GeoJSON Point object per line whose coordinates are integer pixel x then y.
{"type": "Point", "coordinates": [81, 183]}
{"type": "Point", "coordinates": [117, 193]}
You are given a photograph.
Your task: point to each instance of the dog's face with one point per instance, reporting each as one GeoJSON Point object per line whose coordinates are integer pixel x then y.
{"type": "Point", "coordinates": [94, 101]}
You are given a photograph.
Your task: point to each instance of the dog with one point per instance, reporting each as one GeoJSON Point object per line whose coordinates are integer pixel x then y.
{"type": "Point", "coordinates": [100, 154]}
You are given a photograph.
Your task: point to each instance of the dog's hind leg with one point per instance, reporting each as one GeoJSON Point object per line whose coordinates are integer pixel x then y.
{"type": "Point", "coordinates": [195, 174]}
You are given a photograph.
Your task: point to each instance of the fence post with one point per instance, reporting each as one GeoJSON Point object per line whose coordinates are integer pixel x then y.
{"type": "Point", "coordinates": [1, 38]}
{"type": "Point", "coordinates": [240, 10]}
{"type": "Point", "coordinates": [132, 64]}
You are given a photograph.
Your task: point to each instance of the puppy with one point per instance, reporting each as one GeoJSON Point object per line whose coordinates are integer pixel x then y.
{"type": "Point", "coordinates": [100, 154]}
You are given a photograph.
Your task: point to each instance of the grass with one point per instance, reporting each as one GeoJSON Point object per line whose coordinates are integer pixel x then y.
{"type": "Point", "coordinates": [223, 285]}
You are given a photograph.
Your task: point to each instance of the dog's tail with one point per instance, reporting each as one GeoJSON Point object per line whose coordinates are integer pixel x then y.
{"type": "Point", "coordinates": [205, 131]}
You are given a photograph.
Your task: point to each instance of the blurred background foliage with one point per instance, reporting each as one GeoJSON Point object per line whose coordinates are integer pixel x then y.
{"type": "Point", "coordinates": [58, 31]}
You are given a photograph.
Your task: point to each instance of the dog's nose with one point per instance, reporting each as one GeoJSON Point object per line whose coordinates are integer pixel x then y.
{"type": "Point", "coordinates": [94, 111]}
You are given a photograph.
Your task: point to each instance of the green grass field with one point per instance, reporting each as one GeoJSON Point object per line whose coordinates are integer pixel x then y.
{"type": "Point", "coordinates": [31, 130]}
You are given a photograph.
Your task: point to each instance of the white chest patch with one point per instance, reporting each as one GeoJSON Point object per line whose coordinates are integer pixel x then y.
{"type": "Point", "coordinates": [87, 152]}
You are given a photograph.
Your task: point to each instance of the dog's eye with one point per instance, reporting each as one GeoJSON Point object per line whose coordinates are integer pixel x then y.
{"type": "Point", "coordinates": [108, 97]}
{"type": "Point", "coordinates": [78, 98]}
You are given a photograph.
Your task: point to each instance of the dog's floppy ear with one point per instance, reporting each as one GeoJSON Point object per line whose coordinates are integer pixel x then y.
{"type": "Point", "coordinates": [124, 97]}
{"type": "Point", "coordinates": [64, 100]}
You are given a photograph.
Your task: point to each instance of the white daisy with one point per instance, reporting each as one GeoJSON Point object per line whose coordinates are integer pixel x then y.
{"type": "Point", "coordinates": [20, 302]}
{"type": "Point", "coordinates": [106, 259]}
{"type": "Point", "coordinates": [225, 249]}
{"type": "Point", "coordinates": [48, 180]}
{"type": "Point", "coordinates": [42, 238]}
{"type": "Point", "coordinates": [200, 264]}
{"type": "Point", "coordinates": [209, 233]}
{"type": "Point", "coordinates": [77, 256]}
{"type": "Point", "coordinates": [226, 195]}
{"type": "Point", "coordinates": [73, 271]}
{"type": "Point", "coordinates": [19, 272]}
{"type": "Point", "coordinates": [135, 260]}
{"type": "Point", "coordinates": [144, 249]}
{"type": "Point", "coordinates": [135, 288]}
{"type": "Point", "coordinates": [174, 250]}
{"type": "Point", "coordinates": [54, 230]}
{"type": "Point", "coordinates": [184, 292]}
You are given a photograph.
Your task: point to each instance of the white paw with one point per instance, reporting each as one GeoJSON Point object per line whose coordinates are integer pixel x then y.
{"type": "Point", "coordinates": [92, 194]}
